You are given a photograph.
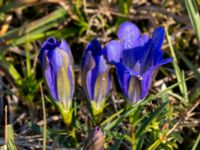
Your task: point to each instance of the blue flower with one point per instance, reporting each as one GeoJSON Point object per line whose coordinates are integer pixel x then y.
{"type": "Point", "coordinates": [136, 58]}
{"type": "Point", "coordinates": [95, 75]}
{"type": "Point", "coordinates": [57, 63]}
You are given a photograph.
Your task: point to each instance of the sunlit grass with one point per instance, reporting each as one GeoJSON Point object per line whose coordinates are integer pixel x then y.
{"type": "Point", "coordinates": [166, 119]}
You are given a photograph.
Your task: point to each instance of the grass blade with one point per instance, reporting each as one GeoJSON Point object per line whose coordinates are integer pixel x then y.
{"type": "Point", "coordinates": [194, 17]}
{"type": "Point", "coordinates": [189, 65]}
{"type": "Point", "coordinates": [133, 108]}
{"type": "Point", "coordinates": [178, 72]}
{"type": "Point", "coordinates": [10, 70]}
{"type": "Point", "coordinates": [196, 143]}
{"type": "Point", "coordinates": [149, 119]}
{"type": "Point", "coordinates": [19, 35]}
{"type": "Point", "coordinates": [44, 119]}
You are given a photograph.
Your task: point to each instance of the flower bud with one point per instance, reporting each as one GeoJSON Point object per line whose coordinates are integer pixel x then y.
{"type": "Point", "coordinates": [95, 76]}
{"type": "Point", "coordinates": [57, 64]}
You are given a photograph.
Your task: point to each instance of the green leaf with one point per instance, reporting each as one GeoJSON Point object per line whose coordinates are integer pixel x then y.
{"type": "Point", "coordinates": [189, 65]}
{"type": "Point", "coordinates": [140, 142]}
{"type": "Point", "coordinates": [10, 70]}
{"type": "Point", "coordinates": [127, 111]}
{"type": "Point", "coordinates": [10, 133]}
{"type": "Point", "coordinates": [117, 135]}
{"type": "Point", "coordinates": [149, 119]}
{"type": "Point", "coordinates": [10, 7]}
{"type": "Point", "coordinates": [196, 143]}
{"type": "Point", "coordinates": [116, 145]}
{"type": "Point", "coordinates": [194, 17]}
{"type": "Point", "coordinates": [19, 35]}
{"type": "Point", "coordinates": [195, 95]}
{"type": "Point", "coordinates": [179, 75]}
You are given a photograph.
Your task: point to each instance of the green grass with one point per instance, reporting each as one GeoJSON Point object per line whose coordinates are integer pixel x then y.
{"type": "Point", "coordinates": [166, 119]}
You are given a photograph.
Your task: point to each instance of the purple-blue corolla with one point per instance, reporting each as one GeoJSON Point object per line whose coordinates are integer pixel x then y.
{"type": "Point", "coordinates": [95, 75]}
{"type": "Point", "coordinates": [136, 58]}
{"type": "Point", "coordinates": [57, 63]}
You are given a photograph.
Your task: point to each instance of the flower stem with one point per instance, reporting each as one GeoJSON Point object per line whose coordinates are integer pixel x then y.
{"type": "Point", "coordinates": [133, 138]}
{"type": "Point", "coordinates": [44, 120]}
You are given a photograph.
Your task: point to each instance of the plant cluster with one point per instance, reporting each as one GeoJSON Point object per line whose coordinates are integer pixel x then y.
{"type": "Point", "coordinates": [95, 75]}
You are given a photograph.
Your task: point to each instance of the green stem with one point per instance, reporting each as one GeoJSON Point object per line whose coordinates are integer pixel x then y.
{"type": "Point", "coordinates": [44, 120]}
{"type": "Point", "coordinates": [133, 139]}
{"type": "Point", "coordinates": [133, 119]}
{"type": "Point", "coordinates": [73, 135]}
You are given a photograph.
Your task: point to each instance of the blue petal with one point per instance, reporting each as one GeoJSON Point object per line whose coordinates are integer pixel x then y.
{"type": "Point", "coordinates": [50, 44]}
{"type": "Point", "coordinates": [148, 76]}
{"type": "Point", "coordinates": [94, 47]}
{"type": "Point", "coordinates": [154, 54]}
{"type": "Point", "coordinates": [144, 39]}
{"type": "Point", "coordinates": [128, 33]}
{"type": "Point", "coordinates": [163, 62]}
{"type": "Point", "coordinates": [71, 79]}
{"type": "Point", "coordinates": [134, 89]}
{"type": "Point", "coordinates": [101, 65]}
{"type": "Point", "coordinates": [65, 79]}
{"type": "Point", "coordinates": [102, 86]}
{"type": "Point", "coordinates": [113, 51]}
{"type": "Point", "coordinates": [157, 56]}
{"type": "Point", "coordinates": [55, 59]}
{"type": "Point", "coordinates": [50, 78]}
{"type": "Point", "coordinates": [99, 68]}
{"type": "Point", "coordinates": [129, 82]}
{"type": "Point", "coordinates": [136, 54]}
{"type": "Point", "coordinates": [146, 82]}
{"type": "Point", "coordinates": [64, 46]}
{"type": "Point", "coordinates": [158, 38]}
{"type": "Point", "coordinates": [123, 77]}
{"type": "Point", "coordinates": [87, 69]}
{"type": "Point", "coordinates": [131, 56]}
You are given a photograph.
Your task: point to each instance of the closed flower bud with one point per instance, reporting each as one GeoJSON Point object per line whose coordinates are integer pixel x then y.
{"type": "Point", "coordinates": [57, 64]}
{"type": "Point", "coordinates": [95, 75]}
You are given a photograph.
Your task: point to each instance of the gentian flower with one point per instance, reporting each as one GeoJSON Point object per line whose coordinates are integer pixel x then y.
{"type": "Point", "coordinates": [57, 63]}
{"type": "Point", "coordinates": [95, 75]}
{"type": "Point", "coordinates": [136, 57]}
